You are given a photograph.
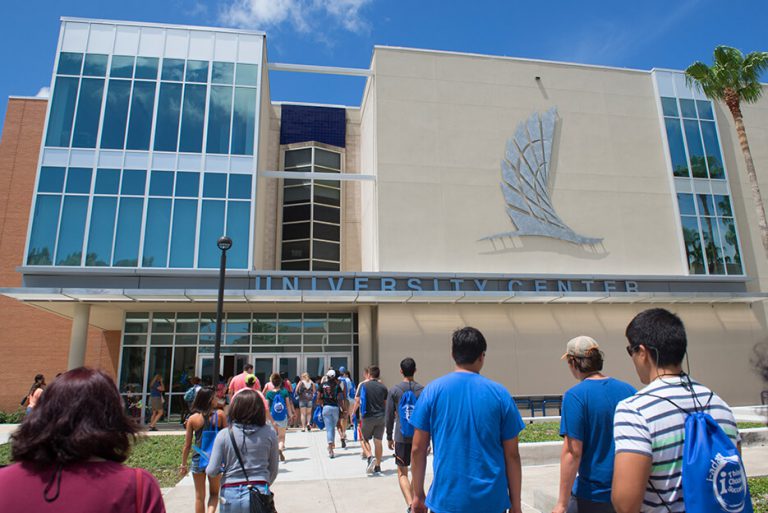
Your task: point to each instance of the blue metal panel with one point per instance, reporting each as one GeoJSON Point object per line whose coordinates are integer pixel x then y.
{"type": "Point", "coordinates": [301, 123]}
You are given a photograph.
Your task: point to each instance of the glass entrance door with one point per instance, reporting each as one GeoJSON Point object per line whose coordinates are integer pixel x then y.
{"type": "Point", "coordinates": [288, 365]}
{"type": "Point", "coordinates": [263, 367]}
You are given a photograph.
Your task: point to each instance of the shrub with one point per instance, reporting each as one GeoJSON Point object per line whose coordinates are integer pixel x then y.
{"type": "Point", "coordinates": [12, 417]}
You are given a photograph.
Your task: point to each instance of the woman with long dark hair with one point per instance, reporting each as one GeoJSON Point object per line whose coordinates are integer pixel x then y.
{"type": "Point", "coordinates": [205, 416]}
{"type": "Point", "coordinates": [248, 453]}
{"type": "Point", "coordinates": [35, 391]}
{"type": "Point", "coordinates": [69, 450]}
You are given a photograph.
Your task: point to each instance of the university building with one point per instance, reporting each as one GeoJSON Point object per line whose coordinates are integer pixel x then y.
{"type": "Point", "coordinates": [533, 200]}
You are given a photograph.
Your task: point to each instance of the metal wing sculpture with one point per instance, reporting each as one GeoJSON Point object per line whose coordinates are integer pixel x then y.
{"type": "Point", "coordinates": [525, 182]}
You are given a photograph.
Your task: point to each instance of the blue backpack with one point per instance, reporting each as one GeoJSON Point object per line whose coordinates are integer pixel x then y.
{"type": "Point", "coordinates": [317, 417]}
{"type": "Point", "coordinates": [714, 478]}
{"type": "Point", "coordinates": [190, 394]}
{"type": "Point", "coordinates": [279, 409]}
{"type": "Point", "coordinates": [362, 400]}
{"type": "Point", "coordinates": [206, 440]}
{"type": "Point", "coordinates": [405, 408]}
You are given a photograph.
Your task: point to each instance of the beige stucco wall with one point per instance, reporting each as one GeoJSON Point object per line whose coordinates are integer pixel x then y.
{"type": "Point", "coordinates": [442, 124]}
{"type": "Point", "coordinates": [369, 228]}
{"type": "Point", "coordinates": [526, 342]}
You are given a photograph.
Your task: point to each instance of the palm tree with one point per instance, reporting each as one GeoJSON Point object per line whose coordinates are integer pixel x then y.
{"type": "Point", "coordinates": [734, 78]}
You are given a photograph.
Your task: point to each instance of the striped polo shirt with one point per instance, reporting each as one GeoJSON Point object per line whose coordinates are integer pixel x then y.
{"type": "Point", "coordinates": [656, 428]}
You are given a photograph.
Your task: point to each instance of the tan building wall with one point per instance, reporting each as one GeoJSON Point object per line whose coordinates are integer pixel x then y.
{"type": "Point", "coordinates": [525, 343]}
{"type": "Point", "coordinates": [442, 124]}
{"type": "Point", "coordinates": [31, 340]}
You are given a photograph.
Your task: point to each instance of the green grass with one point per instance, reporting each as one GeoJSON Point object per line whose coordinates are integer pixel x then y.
{"type": "Point", "coordinates": [748, 425]}
{"type": "Point", "coordinates": [758, 486]}
{"type": "Point", "coordinates": [160, 455]}
{"type": "Point", "coordinates": [541, 432]}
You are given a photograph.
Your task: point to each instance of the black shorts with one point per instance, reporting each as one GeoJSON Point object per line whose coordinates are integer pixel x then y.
{"type": "Point", "coordinates": [403, 454]}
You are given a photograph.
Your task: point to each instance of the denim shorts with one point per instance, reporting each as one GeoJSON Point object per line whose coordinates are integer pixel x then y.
{"type": "Point", "coordinates": [235, 499]}
{"type": "Point", "coordinates": [305, 404]}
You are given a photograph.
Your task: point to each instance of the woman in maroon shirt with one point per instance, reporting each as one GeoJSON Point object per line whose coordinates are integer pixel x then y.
{"type": "Point", "coordinates": [69, 452]}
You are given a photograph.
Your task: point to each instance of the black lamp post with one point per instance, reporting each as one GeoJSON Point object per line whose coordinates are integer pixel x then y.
{"type": "Point", "coordinates": [224, 243]}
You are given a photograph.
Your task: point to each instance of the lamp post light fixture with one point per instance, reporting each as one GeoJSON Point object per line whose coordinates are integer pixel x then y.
{"type": "Point", "coordinates": [224, 243]}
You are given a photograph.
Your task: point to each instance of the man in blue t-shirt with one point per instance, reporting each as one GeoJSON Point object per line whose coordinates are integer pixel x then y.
{"type": "Point", "coordinates": [473, 424]}
{"type": "Point", "coordinates": [586, 426]}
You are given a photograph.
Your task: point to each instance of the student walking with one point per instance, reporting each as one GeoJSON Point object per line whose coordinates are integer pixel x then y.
{"type": "Point", "coordinates": [246, 453]}
{"type": "Point", "coordinates": [306, 391]}
{"type": "Point", "coordinates": [586, 425]}
{"type": "Point", "coordinates": [332, 397]}
{"type": "Point", "coordinates": [375, 394]}
{"type": "Point", "coordinates": [358, 410]}
{"type": "Point", "coordinates": [649, 427]}
{"type": "Point", "coordinates": [69, 453]}
{"type": "Point", "coordinates": [239, 382]}
{"type": "Point", "coordinates": [156, 401]}
{"type": "Point", "coordinates": [34, 394]}
{"type": "Point", "coordinates": [400, 405]}
{"type": "Point", "coordinates": [280, 409]}
{"type": "Point", "coordinates": [474, 424]}
{"type": "Point", "coordinates": [204, 417]}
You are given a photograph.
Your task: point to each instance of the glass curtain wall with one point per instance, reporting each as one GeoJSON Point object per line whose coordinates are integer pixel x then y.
{"type": "Point", "coordinates": [311, 225]}
{"type": "Point", "coordinates": [171, 343]}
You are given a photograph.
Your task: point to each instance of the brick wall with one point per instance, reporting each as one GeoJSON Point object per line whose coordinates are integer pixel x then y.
{"type": "Point", "coordinates": [31, 340]}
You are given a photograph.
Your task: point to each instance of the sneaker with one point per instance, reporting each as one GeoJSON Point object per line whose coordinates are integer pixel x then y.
{"type": "Point", "coordinates": [371, 465]}
{"type": "Point", "coordinates": [282, 456]}
{"type": "Point", "coordinates": [377, 469]}
{"type": "Point", "coordinates": [152, 428]}
{"type": "Point", "coordinates": [343, 443]}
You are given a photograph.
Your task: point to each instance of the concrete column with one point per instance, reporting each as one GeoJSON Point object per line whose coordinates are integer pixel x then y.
{"type": "Point", "coordinates": [78, 340]}
{"type": "Point", "coordinates": [365, 338]}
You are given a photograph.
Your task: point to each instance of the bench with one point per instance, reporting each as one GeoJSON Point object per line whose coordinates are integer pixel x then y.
{"type": "Point", "coordinates": [539, 402]}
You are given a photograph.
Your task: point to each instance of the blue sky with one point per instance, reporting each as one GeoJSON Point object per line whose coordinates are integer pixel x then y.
{"type": "Point", "coordinates": [647, 34]}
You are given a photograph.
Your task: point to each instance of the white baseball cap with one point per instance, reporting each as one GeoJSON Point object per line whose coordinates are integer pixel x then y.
{"type": "Point", "coordinates": [580, 347]}
{"type": "Point", "coordinates": [331, 373]}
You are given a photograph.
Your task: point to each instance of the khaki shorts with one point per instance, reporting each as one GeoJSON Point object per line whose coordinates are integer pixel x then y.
{"type": "Point", "coordinates": [156, 403]}
{"type": "Point", "coordinates": [373, 427]}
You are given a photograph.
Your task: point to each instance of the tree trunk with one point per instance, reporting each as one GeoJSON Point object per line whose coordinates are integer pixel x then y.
{"type": "Point", "coordinates": [756, 196]}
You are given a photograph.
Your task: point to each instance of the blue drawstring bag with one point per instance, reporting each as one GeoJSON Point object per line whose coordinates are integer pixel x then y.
{"type": "Point", "coordinates": [317, 417]}
{"type": "Point", "coordinates": [207, 439]}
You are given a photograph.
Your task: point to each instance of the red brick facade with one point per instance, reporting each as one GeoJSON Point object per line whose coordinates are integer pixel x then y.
{"type": "Point", "coordinates": [31, 340]}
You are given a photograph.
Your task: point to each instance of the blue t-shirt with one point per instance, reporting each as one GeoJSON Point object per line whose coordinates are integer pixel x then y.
{"type": "Point", "coordinates": [468, 417]}
{"type": "Point", "coordinates": [587, 416]}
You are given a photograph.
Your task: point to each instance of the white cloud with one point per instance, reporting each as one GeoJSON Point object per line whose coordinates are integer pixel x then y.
{"type": "Point", "coordinates": [302, 15]}
{"type": "Point", "coordinates": [44, 92]}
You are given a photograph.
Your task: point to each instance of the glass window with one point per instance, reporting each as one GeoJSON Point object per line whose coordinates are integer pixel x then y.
{"type": "Point", "coordinates": [161, 183]}
{"type": "Point", "coordinates": [51, 179]}
{"type": "Point", "coordinates": [219, 115]}
{"type": "Point", "coordinates": [685, 201]}
{"type": "Point", "coordinates": [128, 232]}
{"type": "Point", "coordinates": [688, 108]}
{"type": "Point", "coordinates": [723, 204]}
{"type": "Point", "coordinates": [239, 186]}
{"type": "Point", "coordinates": [187, 322]}
{"type": "Point", "coordinates": [183, 235]}
{"type": "Point", "coordinates": [62, 112]}
{"type": "Point", "coordinates": [141, 115]}
{"type": "Point", "coordinates": [730, 245]}
{"type": "Point", "coordinates": [168, 109]}
{"type": "Point", "coordinates": [340, 323]}
{"type": "Point", "coordinates": [184, 359]}
{"type": "Point", "coordinates": [192, 118]}
{"type": "Point", "coordinates": [669, 106]}
{"type": "Point", "coordinates": [238, 323]}
{"type": "Point", "coordinates": [197, 71]}
{"type": "Point", "coordinates": [146, 67]}
{"type": "Point", "coordinates": [295, 265]}
{"type": "Point", "coordinates": [136, 322]}
{"type": "Point", "coordinates": [132, 370]}
{"type": "Point", "coordinates": [79, 180]}
{"type": "Point", "coordinates": [215, 185]}
{"type": "Point", "coordinates": [296, 231]}
{"type": "Point", "coordinates": [187, 184]}
{"type": "Point", "coordinates": [95, 65]}
{"type": "Point", "coordinates": [705, 109]}
{"type": "Point", "coordinates": [238, 229]}
{"type": "Point", "coordinates": [103, 212]}
{"type": "Point", "coordinates": [122, 66]}
{"type": "Point", "coordinates": [327, 232]}
{"type": "Point", "coordinates": [162, 322]}
{"type": "Point", "coordinates": [133, 182]}
{"type": "Point", "coordinates": [296, 213]}
{"type": "Point", "coordinates": [69, 251]}
{"type": "Point", "coordinates": [712, 148]}
{"type": "Point", "coordinates": [319, 265]}
{"type": "Point", "coordinates": [301, 194]}
{"type": "Point", "coordinates": [244, 121]}
{"type": "Point", "coordinates": [247, 74]}
{"type": "Point", "coordinates": [107, 181]}
{"type": "Point", "coordinates": [695, 150]}
{"type": "Point", "coordinates": [327, 214]}
{"type": "Point", "coordinates": [693, 245]}
{"type": "Point", "coordinates": [160, 363]}
{"type": "Point", "coordinates": [327, 196]}
{"type": "Point", "coordinates": [223, 73]}
{"type": "Point", "coordinates": [296, 158]}
{"type": "Point", "coordinates": [156, 234]}
{"type": "Point", "coordinates": [88, 112]}
{"type": "Point", "coordinates": [326, 251]}
{"type": "Point", "coordinates": [296, 250]}
{"type": "Point", "coordinates": [116, 114]}
{"type": "Point", "coordinates": [211, 228]}
{"type": "Point", "coordinates": [70, 63]}
{"type": "Point", "coordinates": [173, 69]}
{"type": "Point", "coordinates": [676, 147]}
{"type": "Point", "coordinates": [712, 244]}
{"type": "Point", "coordinates": [327, 159]}
{"type": "Point", "coordinates": [42, 238]}
{"type": "Point", "coordinates": [706, 205]}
